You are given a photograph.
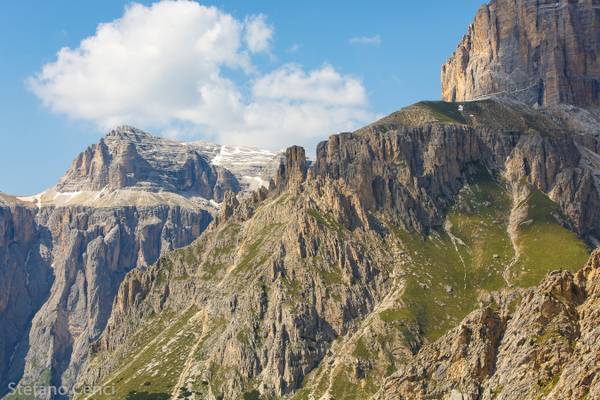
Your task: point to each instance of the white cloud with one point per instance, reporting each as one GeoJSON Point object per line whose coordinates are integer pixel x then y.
{"type": "Point", "coordinates": [373, 40]}
{"type": "Point", "coordinates": [324, 85]}
{"type": "Point", "coordinates": [258, 34]}
{"type": "Point", "coordinates": [167, 66]}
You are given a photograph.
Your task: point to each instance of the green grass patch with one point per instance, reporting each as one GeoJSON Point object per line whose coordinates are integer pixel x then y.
{"type": "Point", "coordinates": [327, 220]}
{"type": "Point", "coordinates": [544, 244]}
{"type": "Point", "coordinates": [331, 277]}
{"type": "Point", "coordinates": [251, 252]}
{"type": "Point", "coordinates": [444, 112]}
{"type": "Point", "coordinates": [449, 268]}
{"type": "Point", "coordinates": [133, 395]}
{"type": "Point", "coordinates": [361, 350]}
{"type": "Point", "coordinates": [397, 315]}
{"type": "Point", "coordinates": [345, 388]}
{"type": "Point", "coordinates": [252, 395]}
{"type": "Point", "coordinates": [155, 368]}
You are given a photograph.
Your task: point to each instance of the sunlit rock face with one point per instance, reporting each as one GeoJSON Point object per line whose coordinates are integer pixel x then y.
{"type": "Point", "coordinates": [540, 52]}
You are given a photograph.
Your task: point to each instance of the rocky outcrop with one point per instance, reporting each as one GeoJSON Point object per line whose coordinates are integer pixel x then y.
{"type": "Point", "coordinates": [293, 168]}
{"type": "Point", "coordinates": [539, 52]}
{"type": "Point", "coordinates": [538, 343]}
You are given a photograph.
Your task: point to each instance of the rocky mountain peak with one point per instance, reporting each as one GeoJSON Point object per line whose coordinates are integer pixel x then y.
{"type": "Point", "coordinates": [293, 167]}
{"type": "Point", "coordinates": [539, 52]}
{"type": "Point", "coordinates": [129, 158]}
{"type": "Point", "coordinates": [126, 132]}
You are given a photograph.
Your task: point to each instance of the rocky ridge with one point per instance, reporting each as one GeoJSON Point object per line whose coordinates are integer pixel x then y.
{"type": "Point", "coordinates": [314, 287]}
{"type": "Point", "coordinates": [528, 344]}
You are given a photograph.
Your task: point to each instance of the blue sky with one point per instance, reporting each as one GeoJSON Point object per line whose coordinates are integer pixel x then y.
{"type": "Point", "coordinates": [378, 56]}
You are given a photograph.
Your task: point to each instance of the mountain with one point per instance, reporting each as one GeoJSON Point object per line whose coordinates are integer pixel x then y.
{"type": "Point", "coordinates": [123, 202]}
{"type": "Point", "coordinates": [540, 51]}
{"type": "Point", "coordinates": [252, 167]}
{"type": "Point", "coordinates": [346, 270]}
{"type": "Point", "coordinates": [435, 253]}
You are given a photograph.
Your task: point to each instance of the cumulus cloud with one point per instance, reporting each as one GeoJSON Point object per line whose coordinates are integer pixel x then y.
{"type": "Point", "coordinates": [373, 40]}
{"type": "Point", "coordinates": [173, 64]}
{"type": "Point", "coordinates": [258, 33]}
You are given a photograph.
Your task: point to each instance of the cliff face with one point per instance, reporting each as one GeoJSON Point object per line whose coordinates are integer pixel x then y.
{"type": "Point", "coordinates": [61, 270]}
{"type": "Point", "coordinates": [25, 280]}
{"type": "Point", "coordinates": [411, 163]}
{"type": "Point", "coordinates": [94, 249]}
{"type": "Point", "coordinates": [539, 52]}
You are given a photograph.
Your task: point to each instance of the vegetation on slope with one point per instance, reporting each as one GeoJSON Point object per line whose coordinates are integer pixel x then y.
{"type": "Point", "coordinates": [490, 114]}
{"type": "Point", "coordinates": [443, 275]}
{"type": "Point", "coordinates": [436, 282]}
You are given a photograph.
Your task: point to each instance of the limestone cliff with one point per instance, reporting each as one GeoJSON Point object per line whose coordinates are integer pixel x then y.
{"type": "Point", "coordinates": [130, 158]}
{"type": "Point", "coordinates": [25, 280]}
{"type": "Point", "coordinates": [539, 52]}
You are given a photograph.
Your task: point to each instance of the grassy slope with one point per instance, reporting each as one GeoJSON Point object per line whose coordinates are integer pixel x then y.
{"type": "Point", "coordinates": [153, 367]}
{"type": "Point", "coordinates": [442, 276]}
{"type": "Point", "coordinates": [500, 116]}
{"type": "Point", "coordinates": [544, 245]}
{"type": "Point", "coordinates": [445, 272]}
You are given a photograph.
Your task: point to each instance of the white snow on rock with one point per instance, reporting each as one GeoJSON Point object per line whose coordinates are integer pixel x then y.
{"type": "Point", "coordinates": [253, 167]}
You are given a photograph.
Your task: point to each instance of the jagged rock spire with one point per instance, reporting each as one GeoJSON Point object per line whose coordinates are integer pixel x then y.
{"type": "Point", "coordinates": [293, 168]}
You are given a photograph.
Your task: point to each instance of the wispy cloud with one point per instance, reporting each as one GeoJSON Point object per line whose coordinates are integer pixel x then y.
{"type": "Point", "coordinates": [370, 40]}
{"type": "Point", "coordinates": [293, 48]}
